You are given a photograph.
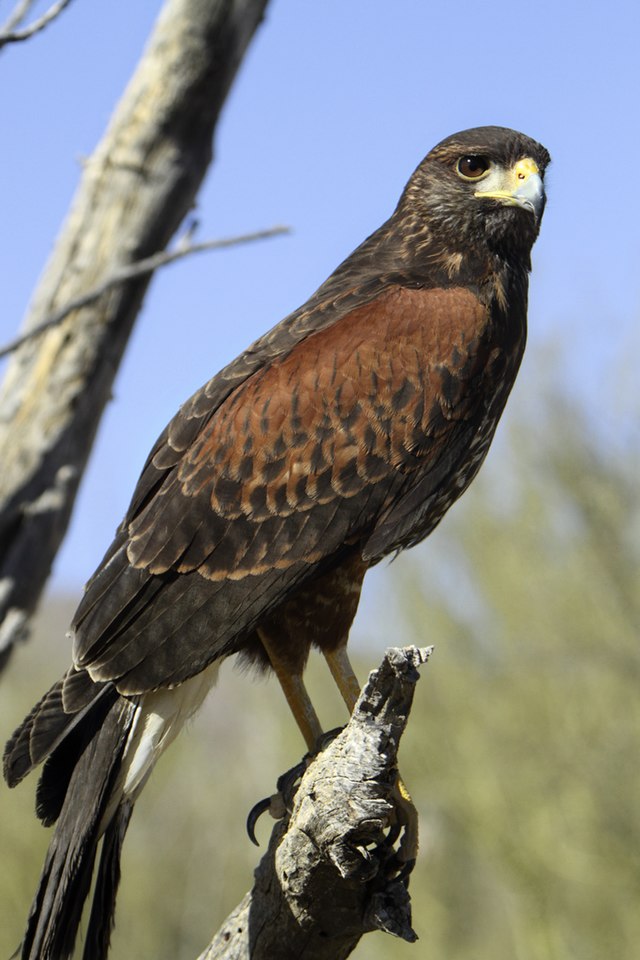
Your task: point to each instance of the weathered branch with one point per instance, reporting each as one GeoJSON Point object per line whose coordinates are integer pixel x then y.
{"type": "Point", "coordinates": [10, 35]}
{"type": "Point", "coordinates": [139, 269]}
{"type": "Point", "coordinates": [136, 188]}
{"type": "Point", "coordinates": [325, 880]}
{"type": "Point", "coordinates": [17, 15]}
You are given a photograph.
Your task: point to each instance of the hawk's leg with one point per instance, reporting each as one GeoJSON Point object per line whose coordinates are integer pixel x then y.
{"type": "Point", "coordinates": [288, 670]}
{"type": "Point", "coordinates": [342, 672]}
{"type": "Point", "coordinates": [347, 683]}
{"type": "Point", "coordinates": [289, 675]}
{"type": "Point", "coordinates": [296, 693]}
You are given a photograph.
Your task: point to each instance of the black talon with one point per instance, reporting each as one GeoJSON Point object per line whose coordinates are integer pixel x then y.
{"type": "Point", "coordinates": [287, 784]}
{"type": "Point", "coordinates": [393, 868]}
{"type": "Point", "coordinates": [405, 871]}
{"type": "Point", "coordinates": [254, 815]}
{"type": "Point", "coordinates": [394, 832]}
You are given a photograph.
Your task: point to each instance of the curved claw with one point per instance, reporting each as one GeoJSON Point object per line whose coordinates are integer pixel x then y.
{"type": "Point", "coordinates": [405, 871]}
{"type": "Point", "coordinates": [392, 836]}
{"type": "Point", "coordinates": [287, 784]}
{"type": "Point", "coordinates": [254, 815]}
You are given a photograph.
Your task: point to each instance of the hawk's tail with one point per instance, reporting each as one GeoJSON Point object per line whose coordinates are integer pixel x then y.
{"type": "Point", "coordinates": [81, 787]}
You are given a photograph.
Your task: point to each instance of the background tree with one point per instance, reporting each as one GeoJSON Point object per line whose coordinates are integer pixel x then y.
{"type": "Point", "coordinates": [135, 191]}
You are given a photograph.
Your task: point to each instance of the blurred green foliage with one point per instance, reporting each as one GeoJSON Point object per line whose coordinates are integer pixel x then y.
{"type": "Point", "coordinates": [521, 753]}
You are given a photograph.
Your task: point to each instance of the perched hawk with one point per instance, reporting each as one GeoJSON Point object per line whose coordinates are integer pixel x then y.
{"type": "Point", "coordinates": [341, 436]}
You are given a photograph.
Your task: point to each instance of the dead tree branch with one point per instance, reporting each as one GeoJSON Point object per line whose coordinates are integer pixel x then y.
{"type": "Point", "coordinates": [17, 15]}
{"type": "Point", "coordinates": [139, 269]}
{"type": "Point", "coordinates": [10, 35]}
{"type": "Point", "coordinates": [324, 881]}
{"type": "Point", "coordinates": [136, 189]}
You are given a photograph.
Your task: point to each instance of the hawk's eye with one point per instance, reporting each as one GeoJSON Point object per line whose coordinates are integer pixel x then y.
{"type": "Point", "coordinates": [472, 167]}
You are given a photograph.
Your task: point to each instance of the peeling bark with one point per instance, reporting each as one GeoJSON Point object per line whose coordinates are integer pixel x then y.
{"type": "Point", "coordinates": [326, 878]}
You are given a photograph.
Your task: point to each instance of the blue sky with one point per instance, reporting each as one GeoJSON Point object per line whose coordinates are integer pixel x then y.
{"type": "Point", "coordinates": [334, 106]}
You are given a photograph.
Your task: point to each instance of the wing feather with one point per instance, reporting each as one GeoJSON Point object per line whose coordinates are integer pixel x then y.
{"type": "Point", "coordinates": [276, 468]}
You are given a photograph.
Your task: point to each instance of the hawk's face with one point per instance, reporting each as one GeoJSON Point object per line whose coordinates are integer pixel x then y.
{"type": "Point", "coordinates": [482, 186]}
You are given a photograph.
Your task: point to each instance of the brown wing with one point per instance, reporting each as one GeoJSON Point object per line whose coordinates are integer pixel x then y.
{"type": "Point", "coordinates": [296, 466]}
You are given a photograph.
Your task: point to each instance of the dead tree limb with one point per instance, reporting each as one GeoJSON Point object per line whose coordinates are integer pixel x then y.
{"type": "Point", "coordinates": [9, 33]}
{"type": "Point", "coordinates": [135, 190]}
{"type": "Point", "coordinates": [184, 248]}
{"type": "Point", "coordinates": [324, 881]}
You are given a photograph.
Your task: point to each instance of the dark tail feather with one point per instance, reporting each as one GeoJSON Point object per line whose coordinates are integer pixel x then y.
{"type": "Point", "coordinates": [59, 766]}
{"type": "Point", "coordinates": [104, 897]}
{"type": "Point", "coordinates": [51, 720]}
{"type": "Point", "coordinates": [55, 915]}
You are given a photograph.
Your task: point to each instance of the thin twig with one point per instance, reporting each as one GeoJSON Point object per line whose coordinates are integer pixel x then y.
{"type": "Point", "coordinates": [133, 270]}
{"type": "Point", "coordinates": [17, 15]}
{"type": "Point", "coordinates": [9, 35]}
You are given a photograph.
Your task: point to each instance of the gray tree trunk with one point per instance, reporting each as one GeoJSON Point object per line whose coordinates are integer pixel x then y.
{"type": "Point", "coordinates": [135, 190]}
{"type": "Point", "coordinates": [326, 879]}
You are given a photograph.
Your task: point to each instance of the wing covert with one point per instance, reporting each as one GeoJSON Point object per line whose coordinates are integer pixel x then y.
{"type": "Point", "coordinates": [299, 463]}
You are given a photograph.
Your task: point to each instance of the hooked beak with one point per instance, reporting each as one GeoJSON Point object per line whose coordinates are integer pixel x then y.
{"type": "Point", "coordinates": [520, 186]}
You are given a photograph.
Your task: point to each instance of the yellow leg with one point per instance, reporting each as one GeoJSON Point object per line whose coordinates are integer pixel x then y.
{"type": "Point", "coordinates": [296, 694]}
{"type": "Point", "coordinates": [342, 673]}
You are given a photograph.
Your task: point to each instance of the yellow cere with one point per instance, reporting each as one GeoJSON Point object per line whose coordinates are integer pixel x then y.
{"type": "Point", "coordinates": [524, 168]}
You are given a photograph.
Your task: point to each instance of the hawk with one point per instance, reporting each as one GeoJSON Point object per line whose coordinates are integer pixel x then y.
{"type": "Point", "coordinates": [340, 437]}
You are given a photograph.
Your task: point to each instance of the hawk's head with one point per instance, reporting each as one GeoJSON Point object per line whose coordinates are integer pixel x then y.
{"type": "Point", "coordinates": [483, 186]}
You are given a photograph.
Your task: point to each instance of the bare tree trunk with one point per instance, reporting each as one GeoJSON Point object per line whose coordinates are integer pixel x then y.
{"type": "Point", "coordinates": [135, 190]}
{"type": "Point", "coordinates": [324, 881]}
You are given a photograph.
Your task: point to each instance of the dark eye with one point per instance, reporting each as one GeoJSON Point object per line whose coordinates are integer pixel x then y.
{"type": "Point", "coordinates": [472, 168]}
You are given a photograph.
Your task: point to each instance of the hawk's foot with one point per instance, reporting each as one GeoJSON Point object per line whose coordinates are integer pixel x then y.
{"type": "Point", "coordinates": [281, 802]}
{"type": "Point", "coordinates": [400, 847]}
